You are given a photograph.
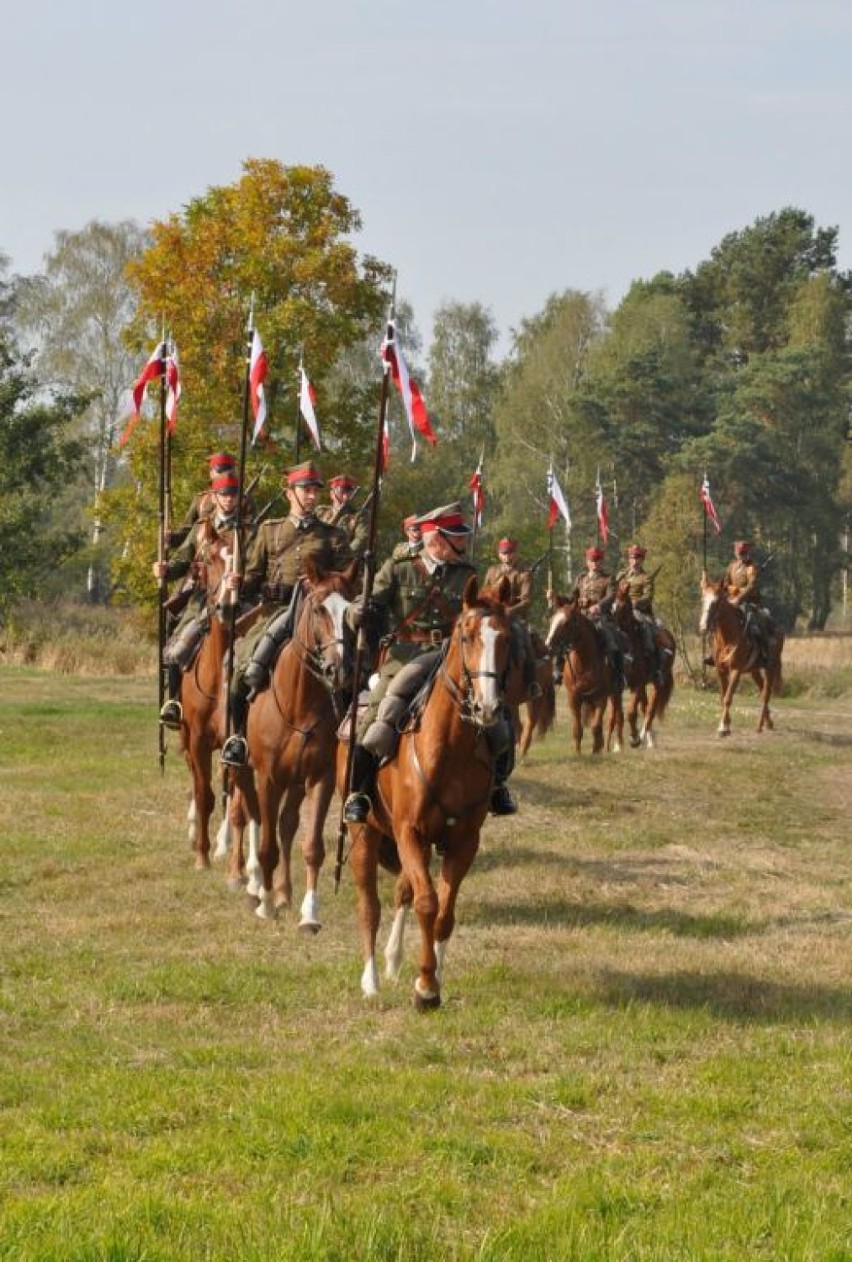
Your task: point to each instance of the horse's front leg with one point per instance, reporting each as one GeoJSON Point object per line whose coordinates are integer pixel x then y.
{"type": "Point", "coordinates": [269, 800]}
{"type": "Point", "coordinates": [615, 735]}
{"type": "Point", "coordinates": [596, 724]}
{"type": "Point", "coordinates": [650, 713]}
{"type": "Point", "coordinates": [201, 761]}
{"type": "Point", "coordinates": [288, 826]}
{"type": "Point", "coordinates": [456, 865]}
{"type": "Point", "coordinates": [728, 681]}
{"type": "Point", "coordinates": [313, 850]}
{"type": "Point", "coordinates": [577, 723]}
{"type": "Point", "coordinates": [394, 948]}
{"type": "Point", "coordinates": [364, 864]}
{"type": "Point", "coordinates": [414, 854]}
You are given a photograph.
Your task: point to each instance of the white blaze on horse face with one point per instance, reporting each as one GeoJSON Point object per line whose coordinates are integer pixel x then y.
{"type": "Point", "coordinates": [486, 685]}
{"type": "Point", "coordinates": [335, 606]}
{"type": "Point", "coordinates": [555, 622]}
{"type": "Point", "coordinates": [708, 600]}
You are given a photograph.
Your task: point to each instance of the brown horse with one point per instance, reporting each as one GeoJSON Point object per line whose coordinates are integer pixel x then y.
{"type": "Point", "coordinates": [735, 653]}
{"type": "Point", "coordinates": [292, 737]}
{"type": "Point", "coordinates": [589, 679]}
{"type": "Point", "coordinates": [434, 792]}
{"type": "Point", "coordinates": [202, 699]}
{"type": "Point", "coordinates": [539, 713]}
{"type": "Point", "coordinates": [640, 670]}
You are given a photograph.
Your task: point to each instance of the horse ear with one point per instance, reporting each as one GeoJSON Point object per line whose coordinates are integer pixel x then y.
{"type": "Point", "coordinates": [312, 572]}
{"type": "Point", "coordinates": [503, 591]}
{"type": "Point", "coordinates": [350, 574]}
{"type": "Point", "coordinates": [471, 590]}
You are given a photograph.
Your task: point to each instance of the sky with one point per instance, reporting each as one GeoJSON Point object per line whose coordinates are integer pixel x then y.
{"type": "Point", "coordinates": [498, 152]}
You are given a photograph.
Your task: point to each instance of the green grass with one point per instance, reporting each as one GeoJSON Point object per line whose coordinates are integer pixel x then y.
{"type": "Point", "coordinates": [643, 1051]}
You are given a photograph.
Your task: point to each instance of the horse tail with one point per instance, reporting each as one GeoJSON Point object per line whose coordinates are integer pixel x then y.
{"type": "Point", "coordinates": [664, 693]}
{"type": "Point", "coordinates": [546, 710]}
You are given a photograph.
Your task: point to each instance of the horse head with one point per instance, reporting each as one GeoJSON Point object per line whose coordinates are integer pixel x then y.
{"type": "Point", "coordinates": [479, 656]}
{"type": "Point", "coordinates": [711, 594]}
{"type": "Point", "coordinates": [563, 622]}
{"type": "Point", "coordinates": [622, 606]}
{"type": "Point", "coordinates": [321, 629]}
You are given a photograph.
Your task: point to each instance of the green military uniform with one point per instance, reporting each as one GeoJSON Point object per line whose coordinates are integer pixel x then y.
{"type": "Point", "coordinates": [742, 583]}
{"type": "Point", "coordinates": [742, 579]}
{"type": "Point", "coordinates": [351, 520]}
{"type": "Point", "coordinates": [520, 580]}
{"type": "Point", "coordinates": [520, 585]}
{"type": "Point", "coordinates": [595, 589]}
{"type": "Point", "coordinates": [598, 589]}
{"type": "Point", "coordinates": [640, 587]}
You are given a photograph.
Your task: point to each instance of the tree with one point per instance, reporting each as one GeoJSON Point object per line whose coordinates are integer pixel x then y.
{"type": "Point", "coordinates": [463, 378]}
{"type": "Point", "coordinates": [280, 234]}
{"type": "Point", "coordinates": [78, 310]}
{"type": "Point", "coordinates": [39, 457]}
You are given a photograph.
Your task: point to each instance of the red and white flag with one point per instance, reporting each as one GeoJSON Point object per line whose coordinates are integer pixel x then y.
{"type": "Point", "coordinates": [258, 372]}
{"type": "Point", "coordinates": [173, 392]}
{"type": "Point", "coordinates": [415, 408]}
{"type": "Point", "coordinates": [557, 503]}
{"type": "Point", "coordinates": [602, 510]}
{"type": "Point", "coordinates": [307, 400]}
{"type": "Point", "coordinates": [478, 492]}
{"type": "Point", "coordinates": [709, 506]}
{"type": "Point", "coordinates": [130, 413]}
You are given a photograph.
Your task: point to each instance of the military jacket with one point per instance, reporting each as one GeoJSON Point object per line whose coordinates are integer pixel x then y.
{"type": "Point", "coordinates": [405, 551]}
{"type": "Point", "coordinates": [521, 584]}
{"type": "Point", "coordinates": [594, 589]}
{"type": "Point", "coordinates": [281, 550]}
{"type": "Point", "coordinates": [421, 606]}
{"type": "Point", "coordinates": [351, 520]}
{"type": "Point", "coordinates": [641, 589]}
{"type": "Point", "coordinates": [204, 506]}
{"type": "Point", "coordinates": [197, 547]}
{"type": "Point", "coordinates": [744, 578]}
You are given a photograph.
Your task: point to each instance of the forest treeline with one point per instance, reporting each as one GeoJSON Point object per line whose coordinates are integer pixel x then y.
{"type": "Point", "coordinates": [738, 369]}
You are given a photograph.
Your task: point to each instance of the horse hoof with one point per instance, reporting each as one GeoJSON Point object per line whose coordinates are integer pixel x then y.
{"type": "Point", "coordinates": [236, 884]}
{"type": "Point", "coordinates": [202, 863]}
{"type": "Point", "coordinates": [725, 732]}
{"type": "Point", "coordinates": [426, 1003]}
{"type": "Point", "coordinates": [635, 742]}
{"type": "Point", "coordinates": [309, 926]}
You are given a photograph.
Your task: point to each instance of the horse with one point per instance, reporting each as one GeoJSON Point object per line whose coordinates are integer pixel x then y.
{"type": "Point", "coordinates": [292, 735]}
{"type": "Point", "coordinates": [539, 712]}
{"type": "Point", "coordinates": [434, 793]}
{"type": "Point", "coordinates": [735, 653]}
{"type": "Point", "coordinates": [202, 700]}
{"type": "Point", "coordinates": [640, 673]}
{"type": "Point", "coordinates": [589, 678]}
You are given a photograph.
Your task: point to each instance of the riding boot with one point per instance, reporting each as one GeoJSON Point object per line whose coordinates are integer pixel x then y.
{"type": "Point", "coordinates": [235, 749]}
{"type": "Point", "coordinates": [502, 802]}
{"type": "Point", "coordinates": [357, 806]}
{"type": "Point", "coordinates": [172, 712]}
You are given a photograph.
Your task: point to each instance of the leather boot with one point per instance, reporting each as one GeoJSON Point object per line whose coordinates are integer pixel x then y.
{"type": "Point", "coordinates": [172, 712]}
{"type": "Point", "coordinates": [357, 806]}
{"type": "Point", "coordinates": [235, 749]}
{"type": "Point", "coordinates": [502, 802]}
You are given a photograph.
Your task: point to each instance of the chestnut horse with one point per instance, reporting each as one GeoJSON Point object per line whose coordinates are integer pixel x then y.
{"type": "Point", "coordinates": [202, 699]}
{"type": "Point", "coordinates": [292, 738]}
{"type": "Point", "coordinates": [588, 677]}
{"type": "Point", "coordinates": [639, 670]}
{"type": "Point", "coordinates": [434, 792]}
{"type": "Point", "coordinates": [735, 653]}
{"type": "Point", "coordinates": [539, 713]}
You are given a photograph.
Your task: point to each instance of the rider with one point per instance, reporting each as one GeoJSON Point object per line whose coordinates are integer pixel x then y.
{"type": "Point", "coordinates": [216, 525]}
{"type": "Point", "coordinates": [641, 590]}
{"type": "Point", "coordinates": [413, 539]}
{"type": "Point", "coordinates": [742, 585]}
{"type": "Point", "coordinates": [276, 561]}
{"type": "Point", "coordinates": [342, 512]}
{"type": "Point", "coordinates": [422, 597]}
{"type": "Point", "coordinates": [520, 581]}
{"type": "Point", "coordinates": [596, 594]}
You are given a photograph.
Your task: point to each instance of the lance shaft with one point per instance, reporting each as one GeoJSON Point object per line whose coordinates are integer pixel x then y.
{"type": "Point", "coordinates": [361, 642]}
{"type": "Point", "coordinates": [165, 492]}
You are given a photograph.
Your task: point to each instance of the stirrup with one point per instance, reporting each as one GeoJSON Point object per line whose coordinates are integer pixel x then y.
{"type": "Point", "coordinates": [356, 808]}
{"type": "Point", "coordinates": [171, 715]}
{"type": "Point", "coordinates": [235, 751]}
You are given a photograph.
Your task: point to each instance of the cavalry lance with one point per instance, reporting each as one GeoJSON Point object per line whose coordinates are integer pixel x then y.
{"type": "Point", "coordinates": [163, 517]}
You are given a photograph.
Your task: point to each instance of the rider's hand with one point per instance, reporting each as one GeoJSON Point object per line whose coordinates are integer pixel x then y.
{"type": "Point", "coordinates": [232, 582]}
{"type": "Point", "coordinates": [159, 569]}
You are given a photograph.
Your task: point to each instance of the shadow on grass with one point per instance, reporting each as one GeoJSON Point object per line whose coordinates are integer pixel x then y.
{"type": "Point", "coordinates": [564, 914]}
{"type": "Point", "coordinates": [731, 995]}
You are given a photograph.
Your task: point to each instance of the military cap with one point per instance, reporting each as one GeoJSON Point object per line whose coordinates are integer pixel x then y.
{"type": "Point", "coordinates": [507, 545]}
{"type": "Point", "coordinates": [221, 460]}
{"type": "Point", "coordinates": [344, 481]}
{"type": "Point", "coordinates": [305, 474]}
{"type": "Point", "coordinates": [636, 550]}
{"type": "Point", "coordinates": [411, 522]}
{"type": "Point", "coordinates": [594, 554]}
{"type": "Point", "coordinates": [449, 519]}
{"type": "Point", "coordinates": [226, 483]}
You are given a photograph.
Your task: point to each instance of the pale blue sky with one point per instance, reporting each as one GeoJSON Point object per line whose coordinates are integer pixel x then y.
{"type": "Point", "coordinates": [497, 151]}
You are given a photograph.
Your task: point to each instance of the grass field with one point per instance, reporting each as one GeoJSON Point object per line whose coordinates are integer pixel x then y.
{"type": "Point", "coordinates": [644, 1049]}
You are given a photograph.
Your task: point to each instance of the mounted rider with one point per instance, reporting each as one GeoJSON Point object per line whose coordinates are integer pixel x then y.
{"type": "Point", "coordinates": [520, 582]}
{"type": "Point", "coordinates": [342, 512]}
{"type": "Point", "coordinates": [276, 562]}
{"type": "Point", "coordinates": [413, 539]}
{"type": "Point", "coordinates": [640, 585]}
{"type": "Point", "coordinates": [596, 593]}
{"type": "Point", "coordinates": [741, 582]}
{"type": "Point", "coordinates": [215, 527]}
{"type": "Point", "coordinates": [420, 596]}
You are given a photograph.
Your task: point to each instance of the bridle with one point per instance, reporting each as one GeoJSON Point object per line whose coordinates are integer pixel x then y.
{"type": "Point", "coordinates": [325, 659]}
{"type": "Point", "coordinates": [463, 692]}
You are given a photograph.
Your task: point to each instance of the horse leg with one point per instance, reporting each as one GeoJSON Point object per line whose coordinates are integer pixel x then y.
{"type": "Point", "coordinates": [201, 756]}
{"type": "Point", "coordinates": [764, 686]}
{"type": "Point", "coordinates": [414, 855]}
{"type": "Point", "coordinates": [269, 799]}
{"type": "Point", "coordinates": [615, 735]}
{"type": "Point", "coordinates": [403, 895]}
{"type": "Point", "coordinates": [288, 826]}
{"type": "Point", "coordinates": [728, 680]}
{"type": "Point", "coordinates": [234, 826]}
{"type": "Point", "coordinates": [454, 869]}
{"type": "Point", "coordinates": [597, 721]}
{"type": "Point", "coordinates": [364, 864]}
{"type": "Point", "coordinates": [313, 851]}
{"type": "Point", "coordinates": [577, 723]}
{"type": "Point", "coordinates": [649, 714]}
{"type": "Point", "coordinates": [527, 728]}
{"type": "Point", "coordinates": [633, 719]}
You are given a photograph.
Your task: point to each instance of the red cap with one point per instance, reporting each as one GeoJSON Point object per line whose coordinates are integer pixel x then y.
{"type": "Point", "coordinates": [636, 550]}
{"type": "Point", "coordinates": [507, 545]}
{"type": "Point", "coordinates": [742, 545]}
{"type": "Point", "coordinates": [410, 522]}
{"type": "Point", "coordinates": [344, 481]}
{"type": "Point", "coordinates": [449, 519]}
{"type": "Point", "coordinates": [304, 475]}
{"type": "Point", "coordinates": [594, 554]}
{"type": "Point", "coordinates": [226, 484]}
{"type": "Point", "coordinates": [221, 460]}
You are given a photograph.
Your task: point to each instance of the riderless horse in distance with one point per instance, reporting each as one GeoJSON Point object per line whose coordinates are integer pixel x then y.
{"type": "Point", "coordinates": [591, 682]}
{"type": "Point", "coordinates": [643, 669]}
{"type": "Point", "coordinates": [735, 653]}
{"type": "Point", "coordinates": [292, 737]}
{"type": "Point", "coordinates": [433, 794]}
